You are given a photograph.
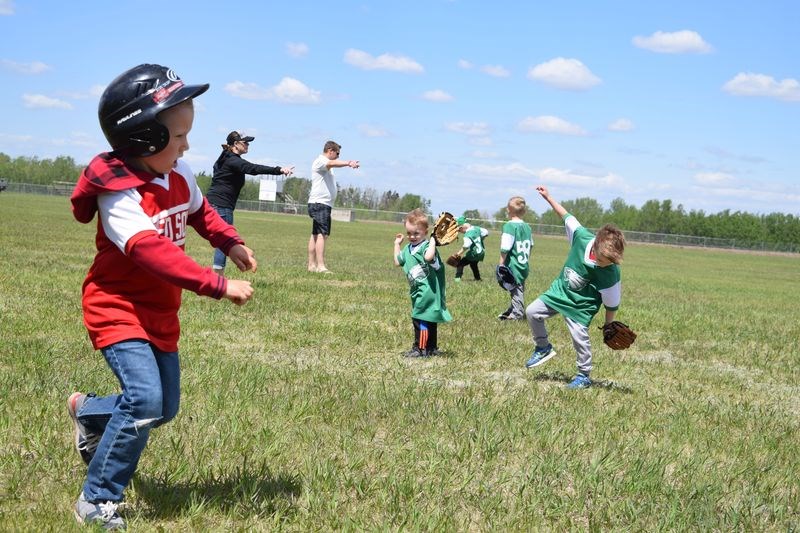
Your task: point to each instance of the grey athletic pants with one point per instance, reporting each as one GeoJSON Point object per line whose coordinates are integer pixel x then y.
{"type": "Point", "coordinates": [538, 311]}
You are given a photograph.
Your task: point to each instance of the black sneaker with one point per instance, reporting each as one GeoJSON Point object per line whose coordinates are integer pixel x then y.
{"type": "Point", "coordinates": [504, 315]}
{"type": "Point", "coordinates": [415, 352]}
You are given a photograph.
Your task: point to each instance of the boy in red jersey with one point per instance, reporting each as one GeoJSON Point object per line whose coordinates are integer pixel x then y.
{"type": "Point", "coordinates": [145, 197]}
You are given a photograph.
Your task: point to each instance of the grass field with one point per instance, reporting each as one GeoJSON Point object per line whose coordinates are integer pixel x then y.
{"type": "Point", "coordinates": [299, 412]}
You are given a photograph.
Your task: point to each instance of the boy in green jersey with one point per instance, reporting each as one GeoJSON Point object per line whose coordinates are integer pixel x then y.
{"type": "Point", "coordinates": [472, 250]}
{"type": "Point", "coordinates": [425, 272]}
{"type": "Point", "coordinates": [590, 277]}
{"type": "Point", "coordinates": [515, 252]}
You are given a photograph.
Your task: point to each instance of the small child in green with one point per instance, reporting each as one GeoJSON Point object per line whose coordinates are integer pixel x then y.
{"type": "Point", "coordinates": [590, 277]}
{"type": "Point", "coordinates": [515, 252]}
{"type": "Point", "coordinates": [425, 272]}
{"type": "Point", "coordinates": [472, 250]}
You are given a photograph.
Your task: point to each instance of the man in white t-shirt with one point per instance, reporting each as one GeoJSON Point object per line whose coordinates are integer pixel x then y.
{"type": "Point", "coordinates": [320, 202]}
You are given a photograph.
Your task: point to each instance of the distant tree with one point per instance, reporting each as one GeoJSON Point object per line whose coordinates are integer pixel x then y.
{"type": "Point", "coordinates": [623, 215]}
{"type": "Point", "coordinates": [389, 200]}
{"type": "Point", "coordinates": [412, 201]}
{"type": "Point", "coordinates": [297, 188]}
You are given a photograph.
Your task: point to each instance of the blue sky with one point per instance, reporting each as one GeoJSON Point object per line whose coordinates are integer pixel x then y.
{"type": "Point", "coordinates": [463, 102]}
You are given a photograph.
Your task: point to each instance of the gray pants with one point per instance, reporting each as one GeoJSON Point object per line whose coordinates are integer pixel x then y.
{"type": "Point", "coordinates": [538, 311]}
{"type": "Point", "coordinates": [517, 308]}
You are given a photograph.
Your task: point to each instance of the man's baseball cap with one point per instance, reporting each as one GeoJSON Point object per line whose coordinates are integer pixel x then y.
{"type": "Point", "coordinates": [234, 136]}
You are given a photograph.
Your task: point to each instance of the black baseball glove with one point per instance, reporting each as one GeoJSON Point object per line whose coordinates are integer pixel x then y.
{"type": "Point", "coordinates": [504, 277]}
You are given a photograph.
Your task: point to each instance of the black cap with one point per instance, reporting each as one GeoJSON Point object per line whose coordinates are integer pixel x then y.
{"type": "Point", "coordinates": [234, 136]}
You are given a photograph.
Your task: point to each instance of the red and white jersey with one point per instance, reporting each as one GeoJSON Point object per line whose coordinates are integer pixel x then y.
{"type": "Point", "coordinates": [131, 294]}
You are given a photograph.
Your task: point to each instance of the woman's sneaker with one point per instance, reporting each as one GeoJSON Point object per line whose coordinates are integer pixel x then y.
{"type": "Point", "coordinates": [85, 441]}
{"type": "Point", "coordinates": [102, 514]}
{"type": "Point", "coordinates": [540, 356]}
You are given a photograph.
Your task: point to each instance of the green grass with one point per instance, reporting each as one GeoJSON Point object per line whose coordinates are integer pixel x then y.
{"type": "Point", "coordinates": [299, 413]}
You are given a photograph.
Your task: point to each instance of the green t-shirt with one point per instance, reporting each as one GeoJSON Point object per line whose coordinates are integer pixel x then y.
{"type": "Point", "coordinates": [425, 283]}
{"type": "Point", "coordinates": [473, 242]}
{"type": "Point", "coordinates": [517, 242]}
{"type": "Point", "coordinates": [583, 286]}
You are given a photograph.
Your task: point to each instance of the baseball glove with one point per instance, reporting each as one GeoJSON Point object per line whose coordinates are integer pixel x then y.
{"type": "Point", "coordinates": [453, 260]}
{"type": "Point", "coordinates": [617, 335]}
{"type": "Point", "coordinates": [504, 277]}
{"type": "Point", "coordinates": [445, 230]}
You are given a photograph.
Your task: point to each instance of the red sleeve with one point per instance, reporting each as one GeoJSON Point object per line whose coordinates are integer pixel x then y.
{"type": "Point", "coordinates": [207, 222]}
{"type": "Point", "coordinates": [160, 257]}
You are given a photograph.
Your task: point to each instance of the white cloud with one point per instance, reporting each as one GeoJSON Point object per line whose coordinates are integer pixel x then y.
{"type": "Point", "coordinates": [94, 92]}
{"type": "Point", "coordinates": [548, 175]}
{"type": "Point", "coordinates": [292, 91]}
{"type": "Point", "coordinates": [481, 154]}
{"type": "Point", "coordinates": [39, 101]}
{"type": "Point", "coordinates": [365, 61]}
{"type": "Point", "coordinates": [713, 179]}
{"type": "Point", "coordinates": [557, 176]}
{"type": "Point", "coordinates": [725, 154]}
{"type": "Point", "coordinates": [463, 63]}
{"type": "Point", "coordinates": [468, 128]}
{"type": "Point", "coordinates": [750, 84]}
{"type": "Point", "coordinates": [16, 138]}
{"type": "Point", "coordinates": [76, 138]}
{"type": "Point", "coordinates": [297, 49]}
{"type": "Point", "coordinates": [497, 71]}
{"type": "Point", "coordinates": [288, 91]}
{"type": "Point", "coordinates": [678, 42]}
{"type": "Point", "coordinates": [550, 124]}
{"type": "Point", "coordinates": [369, 130]}
{"type": "Point", "coordinates": [621, 124]}
{"type": "Point", "coordinates": [36, 67]}
{"type": "Point", "coordinates": [770, 199]}
{"type": "Point", "coordinates": [6, 7]}
{"type": "Point", "coordinates": [564, 73]}
{"type": "Point", "coordinates": [511, 170]}
{"type": "Point", "coordinates": [480, 141]}
{"type": "Point", "coordinates": [437, 95]}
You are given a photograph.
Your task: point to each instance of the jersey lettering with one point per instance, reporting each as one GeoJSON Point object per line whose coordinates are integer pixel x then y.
{"type": "Point", "coordinates": [172, 224]}
{"type": "Point", "coordinates": [523, 249]}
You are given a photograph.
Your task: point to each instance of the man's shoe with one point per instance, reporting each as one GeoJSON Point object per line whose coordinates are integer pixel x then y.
{"type": "Point", "coordinates": [540, 356]}
{"type": "Point", "coordinates": [433, 352]}
{"type": "Point", "coordinates": [102, 514]}
{"type": "Point", "coordinates": [580, 381]}
{"type": "Point", "coordinates": [85, 441]}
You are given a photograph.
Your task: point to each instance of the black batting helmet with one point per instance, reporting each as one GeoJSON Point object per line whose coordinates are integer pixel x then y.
{"type": "Point", "coordinates": [130, 105]}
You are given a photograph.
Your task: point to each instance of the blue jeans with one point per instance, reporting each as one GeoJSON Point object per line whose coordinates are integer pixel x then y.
{"type": "Point", "coordinates": [226, 213]}
{"type": "Point", "coordinates": [150, 381]}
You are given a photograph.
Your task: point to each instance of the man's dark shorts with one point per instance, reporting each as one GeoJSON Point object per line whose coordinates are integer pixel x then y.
{"type": "Point", "coordinates": [321, 215]}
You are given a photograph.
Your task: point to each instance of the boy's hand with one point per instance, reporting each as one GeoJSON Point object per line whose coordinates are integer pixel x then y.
{"type": "Point", "coordinates": [243, 258]}
{"type": "Point", "coordinates": [541, 189]}
{"type": "Point", "coordinates": [238, 291]}
{"type": "Point", "coordinates": [398, 239]}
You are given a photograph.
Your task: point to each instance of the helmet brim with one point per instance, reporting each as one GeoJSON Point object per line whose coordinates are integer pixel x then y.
{"type": "Point", "coordinates": [185, 93]}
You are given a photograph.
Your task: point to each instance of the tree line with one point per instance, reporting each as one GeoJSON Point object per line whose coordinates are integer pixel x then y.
{"type": "Point", "coordinates": [655, 216]}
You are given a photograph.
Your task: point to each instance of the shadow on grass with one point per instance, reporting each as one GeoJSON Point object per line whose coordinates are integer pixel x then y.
{"type": "Point", "coordinates": [596, 384]}
{"type": "Point", "coordinates": [255, 492]}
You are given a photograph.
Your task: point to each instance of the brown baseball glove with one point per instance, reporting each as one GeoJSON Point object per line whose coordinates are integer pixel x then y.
{"type": "Point", "coordinates": [453, 260]}
{"type": "Point", "coordinates": [617, 335]}
{"type": "Point", "coordinates": [445, 230]}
